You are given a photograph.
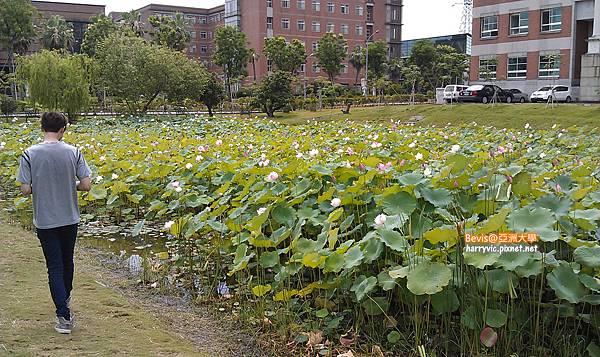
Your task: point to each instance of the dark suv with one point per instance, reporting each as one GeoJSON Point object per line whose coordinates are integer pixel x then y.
{"type": "Point", "coordinates": [483, 93]}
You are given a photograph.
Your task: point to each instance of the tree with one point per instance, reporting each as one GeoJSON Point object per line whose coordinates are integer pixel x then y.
{"type": "Point", "coordinates": [231, 54]}
{"type": "Point", "coordinates": [286, 57]}
{"type": "Point", "coordinates": [57, 34]}
{"type": "Point", "coordinates": [137, 72]}
{"type": "Point", "coordinates": [101, 27]}
{"type": "Point", "coordinates": [172, 32]}
{"type": "Point", "coordinates": [452, 65]}
{"type": "Point", "coordinates": [56, 81]}
{"type": "Point", "coordinates": [132, 25]}
{"type": "Point", "coordinates": [274, 92]}
{"type": "Point", "coordinates": [377, 59]}
{"type": "Point", "coordinates": [16, 29]}
{"type": "Point", "coordinates": [330, 53]}
{"type": "Point", "coordinates": [488, 75]}
{"type": "Point", "coordinates": [394, 68]}
{"type": "Point", "coordinates": [212, 93]}
{"type": "Point", "coordinates": [412, 75]}
{"type": "Point", "coordinates": [357, 60]}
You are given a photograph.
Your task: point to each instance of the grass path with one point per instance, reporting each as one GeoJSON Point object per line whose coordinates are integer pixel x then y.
{"type": "Point", "coordinates": [108, 322]}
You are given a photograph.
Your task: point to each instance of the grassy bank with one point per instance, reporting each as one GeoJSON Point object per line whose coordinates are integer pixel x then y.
{"type": "Point", "coordinates": [108, 324]}
{"type": "Point", "coordinates": [501, 115]}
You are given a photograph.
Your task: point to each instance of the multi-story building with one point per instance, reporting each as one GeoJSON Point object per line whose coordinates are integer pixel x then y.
{"type": "Point", "coordinates": [461, 42]}
{"type": "Point", "coordinates": [203, 23]}
{"type": "Point", "coordinates": [309, 20]}
{"type": "Point", "coordinates": [527, 44]}
{"type": "Point", "coordinates": [78, 15]}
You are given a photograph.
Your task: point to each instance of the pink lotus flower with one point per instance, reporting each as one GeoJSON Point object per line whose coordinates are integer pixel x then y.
{"type": "Point", "coordinates": [380, 220]}
{"type": "Point", "coordinates": [175, 184]}
{"type": "Point", "coordinates": [219, 142]}
{"type": "Point", "coordinates": [501, 150]}
{"type": "Point", "coordinates": [169, 224]}
{"type": "Point", "coordinates": [203, 148]}
{"type": "Point", "coordinates": [455, 183]}
{"type": "Point", "coordinates": [336, 202]}
{"type": "Point", "coordinates": [382, 167]}
{"type": "Point", "coordinates": [557, 188]}
{"type": "Point", "coordinates": [349, 151]}
{"type": "Point", "coordinates": [272, 177]}
{"type": "Point", "coordinates": [509, 179]}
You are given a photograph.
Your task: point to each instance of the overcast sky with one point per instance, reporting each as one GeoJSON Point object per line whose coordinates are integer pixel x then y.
{"type": "Point", "coordinates": [422, 18]}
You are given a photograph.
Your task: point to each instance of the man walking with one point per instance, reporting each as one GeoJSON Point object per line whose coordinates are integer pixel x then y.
{"type": "Point", "coordinates": [50, 171]}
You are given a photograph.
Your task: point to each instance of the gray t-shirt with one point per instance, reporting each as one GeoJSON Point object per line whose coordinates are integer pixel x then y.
{"type": "Point", "coordinates": [52, 169]}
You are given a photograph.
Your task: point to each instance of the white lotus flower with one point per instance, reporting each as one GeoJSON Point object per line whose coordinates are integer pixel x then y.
{"type": "Point", "coordinates": [554, 126]}
{"type": "Point", "coordinates": [298, 155]}
{"type": "Point", "coordinates": [455, 148]}
{"type": "Point", "coordinates": [264, 163]}
{"type": "Point", "coordinates": [380, 220]}
{"type": "Point", "coordinates": [261, 210]}
{"type": "Point", "coordinates": [412, 145]}
{"type": "Point", "coordinates": [115, 176]}
{"type": "Point", "coordinates": [169, 224]}
{"type": "Point", "coordinates": [313, 152]}
{"type": "Point", "coordinates": [188, 166]}
{"type": "Point", "coordinates": [219, 142]}
{"type": "Point", "coordinates": [273, 176]}
{"type": "Point", "coordinates": [178, 189]}
{"type": "Point", "coordinates": [99, 178]}
{"type": "Point", "coordinates": [376, 145]}
{"type": "Point", "coordinates": [199, 158]}
{"type": "Point", "coordinates": [102, 158]}
{"type": "Point", "coordinates": [336, 202]}
{"type": "Point", "coordinates": [542, 155]}
{"type": "Point", "coordinates": [427, 172]}
{"type": "Point", "coordinates": [419, 156]}
{"type": "Point", "coordinates": [175, 184]}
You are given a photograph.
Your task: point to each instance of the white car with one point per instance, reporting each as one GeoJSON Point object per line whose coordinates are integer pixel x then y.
{"type": "Point", "coordinates": [560, 93]}
{"type": "Point", "coordinates": [451, 92]}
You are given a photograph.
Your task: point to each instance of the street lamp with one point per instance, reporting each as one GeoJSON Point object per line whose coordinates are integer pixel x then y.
{"type": "Point", "coordinates": [367, 63]}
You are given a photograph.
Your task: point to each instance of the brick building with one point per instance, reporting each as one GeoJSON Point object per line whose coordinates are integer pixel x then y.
{"type": "Point", "coordinates": [535, 42]}
{"type": "Point", "coordinates": [78, 15]}
{"type": "Point", "coordinates": [203, 24]}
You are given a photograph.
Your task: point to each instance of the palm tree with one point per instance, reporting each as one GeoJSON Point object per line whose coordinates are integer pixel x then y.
{"type": "Point", "coordinates": [357, 60]}
{"type": "Point", "coordinates": [58, 34]}
{"type": "Point", "coordinates": [132, 20]}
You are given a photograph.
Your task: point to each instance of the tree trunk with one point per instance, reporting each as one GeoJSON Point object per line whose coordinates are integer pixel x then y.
{"type": "Point", "coordinates": [210, 112]}
{"type": "Point", "coordinates": [357, 75]}
{"type": "Point", "coordinates": [147, 105]}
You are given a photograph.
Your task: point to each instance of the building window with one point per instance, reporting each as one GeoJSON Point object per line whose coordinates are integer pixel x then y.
{"type": "Point", "coordinates": [269, 65]}
{"type": "Point", "coordinates": [301, 25]}
{"type": "Point", "coordinates": [192, 34]}
{"type": "Point", "coordinates": [316, 68]}
{"type": "Point", "coordinates": [270, 23]}
{"type": "Point", "coordinates": [330, 27]}
{"type": "Point", "coordinates": [344, 29]}
{"type": "Point", "coordinates": [203, 49]}
{"type": "Point", "coordinates": [315, 45]}
{"type": "Point", "coordinates": [285, 4]}
{"type": "Point", "coordinates": [316, 26]}
{"type": "Point", "coordinates": [303, 67]}
{"type": "Point", "coordinates": [203, 34]}
{"type": "Point", "coordinates": [269, 3]}
{"type": "Point", "coordinates": [285, 24]}
{"type": "Point", "coordinates": [488, 66]}
{"type": "Point", "coordinates": [359, 10]}
{"type": "Point", "coordinates": [203, 20]}
{"type": "Point", "coordinates": [345, 9]}
{"type": "Point", "coordinates": [344, 68]}
{"type": "Point", "coordinates": [519, 23]}
{"type": "Point", "coordinates": [517, 67]}
{"type": "Point", "coordinates": [552, 19]}
{"type": "Point", "coordinates": [489, 26]}
{"type": "Point", "coordinates": [359, 30]}
{"type": "Point", "coordinates": [394, 14]}
{"type": "Point", "coordinates": [549, 66]}
{"type": "Point", "coordinates": [301, 4]}
{"type": "Point", "coordinates": [193, 49]}
{"type": "Point", "coordinates": [393, 33]}
{"type": "Point", "coordinates": [330, 7]}
{"type": "Point", "coordinates": [316, 5]}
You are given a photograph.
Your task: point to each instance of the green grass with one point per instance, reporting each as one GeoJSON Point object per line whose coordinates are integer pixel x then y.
{"type": "Point", "coordinates": [108, 324]}
{"type": "Point", "coordinates": [501, 115]}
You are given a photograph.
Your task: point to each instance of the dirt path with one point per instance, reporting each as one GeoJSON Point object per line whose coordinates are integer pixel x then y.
{"type": "Point", "coordinates": [112, 318]}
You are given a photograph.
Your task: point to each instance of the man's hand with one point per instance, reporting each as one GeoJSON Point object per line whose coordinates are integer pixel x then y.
{"type": "Point", "coordinates": [26, 189]}
{"type": "Point", "coordinates": [85, 184]}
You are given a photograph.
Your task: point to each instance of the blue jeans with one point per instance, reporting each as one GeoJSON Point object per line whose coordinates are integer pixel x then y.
{"type": "Point", "coordinates": [58, 245]}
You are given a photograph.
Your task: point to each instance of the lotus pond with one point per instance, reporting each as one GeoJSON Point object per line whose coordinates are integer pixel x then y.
{"type": "Point", "coordinates": [350, 236]}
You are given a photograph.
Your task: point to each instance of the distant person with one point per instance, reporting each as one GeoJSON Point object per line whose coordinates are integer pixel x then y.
{"type": "Point", "coordinates": [50, 171]}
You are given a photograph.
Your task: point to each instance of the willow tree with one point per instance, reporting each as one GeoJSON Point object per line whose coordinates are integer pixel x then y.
{"type": "Point", "coordinates": [57, 34]}
{"type": "Point", "coordinates": [56, 81]}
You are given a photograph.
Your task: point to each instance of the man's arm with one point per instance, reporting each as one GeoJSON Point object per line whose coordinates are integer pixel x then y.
{"type": "Point", "coordinates": [26, 189]}
{"type": "Point", "coordinates": [84, 185]}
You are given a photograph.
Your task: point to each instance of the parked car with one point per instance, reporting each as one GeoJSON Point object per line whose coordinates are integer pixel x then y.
{"type": "Point", "coordinates": [519, 96]}
{"type": "Point", "coordinates": [451, 92]}
{"type": "Point", "coordinates": [561, 93]}
{"type": "Point", "coordinates": [483, 93]}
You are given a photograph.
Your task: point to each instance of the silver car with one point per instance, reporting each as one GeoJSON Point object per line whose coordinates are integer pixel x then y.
{"type": "Point", "coordinates": [518, 96]}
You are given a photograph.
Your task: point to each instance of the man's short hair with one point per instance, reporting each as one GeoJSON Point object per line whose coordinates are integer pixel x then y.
{"type": "Point", "coordinates": [53, 122]}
